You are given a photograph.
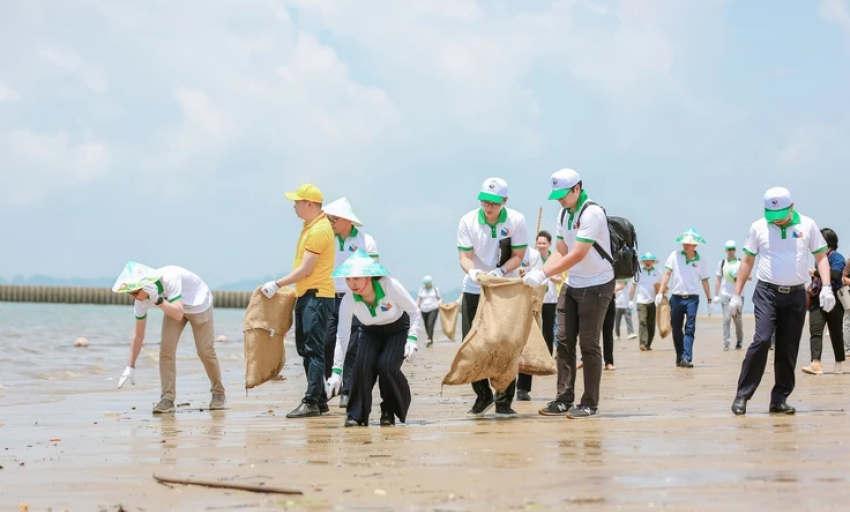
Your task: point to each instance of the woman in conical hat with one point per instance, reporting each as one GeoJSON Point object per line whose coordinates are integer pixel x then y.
{"type": "Point", "coordinates": [686, 273]}
{"type": "Point", "coordinates": [389, 319]}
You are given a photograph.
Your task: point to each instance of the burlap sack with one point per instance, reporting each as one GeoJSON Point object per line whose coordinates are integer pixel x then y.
{"type": "Point", "coordinates": [448, 319]}
{"type": "Point", "coordinates": [662, 318]}
{"type": "Point", "coordinates": [266, 323]}
{"type": "Point", "coordinates": [536, 358]}
{"type": "Point", "coordinates": [493, 346]}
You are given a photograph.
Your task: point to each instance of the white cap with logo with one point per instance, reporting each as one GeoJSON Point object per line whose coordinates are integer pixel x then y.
{"type": "Point", "coordinates": [730, 244]}
{"type": "Point", "coordinates": [562, 182]}
{"type": "Point", "coordinates": [777, 204]}
{"type": "Point", "coordinates": [494, 190]}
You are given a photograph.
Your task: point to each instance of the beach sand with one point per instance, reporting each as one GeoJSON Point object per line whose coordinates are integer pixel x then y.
{"type": "Point", "coordinates": [665, 440]}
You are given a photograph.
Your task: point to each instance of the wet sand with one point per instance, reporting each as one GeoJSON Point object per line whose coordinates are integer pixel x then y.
{"type": "Point", "coordinates": [665, 440]}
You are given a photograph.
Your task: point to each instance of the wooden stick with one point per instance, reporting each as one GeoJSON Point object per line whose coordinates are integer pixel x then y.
{"type": "Point", "coordinates": [225, 485]}
{"type": "Point", "coordinates": [539, 221]}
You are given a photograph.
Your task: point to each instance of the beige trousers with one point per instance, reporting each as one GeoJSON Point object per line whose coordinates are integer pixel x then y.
{"type": "Point", "coordinates": [203, 329]}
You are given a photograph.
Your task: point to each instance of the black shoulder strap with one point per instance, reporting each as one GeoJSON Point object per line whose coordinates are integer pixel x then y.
{"type": "Point", "coordinates": [599, 249]}
{"type": "Point", "coordinates": [563, 214]}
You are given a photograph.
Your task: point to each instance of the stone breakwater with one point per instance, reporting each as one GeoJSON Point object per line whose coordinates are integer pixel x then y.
{"type": "Point", "coordinates": [86, 295]}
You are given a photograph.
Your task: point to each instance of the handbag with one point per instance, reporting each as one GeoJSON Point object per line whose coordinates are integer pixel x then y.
{"type": "Point", "coordinates": [843, 295]}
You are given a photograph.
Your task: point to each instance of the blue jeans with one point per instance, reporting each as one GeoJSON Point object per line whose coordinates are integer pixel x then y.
{"type": "Point", "coordinates": [683, 318]}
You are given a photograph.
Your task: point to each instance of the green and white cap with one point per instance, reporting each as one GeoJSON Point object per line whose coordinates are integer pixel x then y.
{"type": "Point", "coordinates": [494, 190]}
{"type": "Point", "coordinates": [342, 208]}
{"type": "Point", "coordinates": [730, 244]}
{"type": "Point", "coordinates": [360, 264]}
{"type": "Point", "coordinates": [691, 237]}
{"type": "Point", "coordinates": [648, 257]}
{"type": "Point", "coordinates": [777, 204]}
{"type": "Point", "coordinates": [134, 276]}
{"type": "Point", "coordinates": [426, 279]}
{"type": "Point", "coordinates": [562, 182]}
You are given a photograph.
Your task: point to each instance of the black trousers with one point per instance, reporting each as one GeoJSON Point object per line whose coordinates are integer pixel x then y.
{"type": "Point", "coordinates": [784, 313]}
{"type": "Point", "coordinates": [608, 333]}
{"type": "Point", "coordinates": [380, 355]}
{"type": "Point", "coordinates": [429, 318]}
{"type": "Point", "coordinates": [350, 354]}
{"type": "Point", "coordinates": [548, 313]}
{"type": "Point", "coordinates": [834, 320]}
{"type": "Point", "coordinates": [311, 324]}
{"type": "Point", "coordinates": [468, 308]}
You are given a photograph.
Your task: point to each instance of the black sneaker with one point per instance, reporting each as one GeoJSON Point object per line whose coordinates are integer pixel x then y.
{"type": "Point", "coordinates": [687, 364]}
{"type": "Point", "coordinates": [351, 422]}
{"type": "Point", "coordinates": [581, 411]}
{"type": "Point", "coordinates": [505, 411]}
{"type": "Point", "coordinates": [387, 419]}
{"type": "Point", "coordinates": [738, 346]}
{"type": "Point", "coordinates": [522, 395]}
{"type": "Point", "coordinates": [343, 401]}
{"type": "Point", "coordinates": [555, 408]}
{"type": "Point", "coordinates": [324, 409]}
{"type": "Point", "coordinates": [305, 410]}
{"type": "Point", "coordinates": [481, 406]}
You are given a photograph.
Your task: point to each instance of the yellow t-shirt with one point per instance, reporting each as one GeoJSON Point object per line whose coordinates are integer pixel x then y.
{"type": "Point", "coordinates": [317, 238]}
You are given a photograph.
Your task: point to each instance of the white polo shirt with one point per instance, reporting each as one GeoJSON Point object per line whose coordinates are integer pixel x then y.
{"type": "Point", "coordinates": [475, 235]}
{"type": "Point", "coordinates": [592, 227]}
{"type": "Point", "coordinates": [391, 301]}
{"type": "Point", "coordinates": [784, 252]}
{"type": "Point", "coordinates": [429, 299]}
{"type": "Point", "coordinates": [177, 283]}
{"type": "Point", "coordinates": [645, 293]}
{"type": "Point", "coordinates": [551, 296]}
{"type": "Point", "coordinates": [621, 298]}
{"type": "Point", "coordinates": [727, 271]}
{"type": "Point", "coordinates": [346, 247]}
{"type": "Point", "coordinates": [687, 275]}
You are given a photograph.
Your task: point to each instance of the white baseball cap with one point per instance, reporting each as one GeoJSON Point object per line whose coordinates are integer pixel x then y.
{"type": "Point", "coordinates": [777, 204]}
{"type": "Point", "coordinates": [426, 279]}
{"type": "Point", "coordinates": [494, 190]}
{"type": "Point", "coordinates": [342, 208]}
{"type": "Point", "coordinates": [730, 244]}
{"type": "Point", "coordinates": [562, 182]}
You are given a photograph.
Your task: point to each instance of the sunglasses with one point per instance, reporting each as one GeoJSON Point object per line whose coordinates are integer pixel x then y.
{"type": "Point", "coordinates": [490, 204]}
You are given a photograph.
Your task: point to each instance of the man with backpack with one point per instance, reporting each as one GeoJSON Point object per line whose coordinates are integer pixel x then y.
{"type": "Point", "coordinates": [727, 272]}
{"type": "Point", "coordinates": [585, 249]}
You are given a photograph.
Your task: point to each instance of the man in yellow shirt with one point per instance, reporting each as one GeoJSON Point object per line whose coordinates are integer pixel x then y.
{"type": "Point", "coordinates": [314, 287]}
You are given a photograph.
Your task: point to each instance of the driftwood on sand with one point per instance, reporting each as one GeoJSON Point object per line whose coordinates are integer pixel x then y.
{"type": "Point", "coordinates": [226, 485]}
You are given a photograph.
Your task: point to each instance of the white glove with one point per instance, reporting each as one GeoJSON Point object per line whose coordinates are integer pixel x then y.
{"type": "Point", "coordinates": [152, 291]}
{"type": "Point", "coordinates": [710, 308]}
{"type": "Point", "coordinates": [827, 298]}
{"type": "Point", "coordinates": [631, 304]}
{"type": "Point", "coordinates": [334, 383]}
{"type": "Point", "coordinates": [658, 299]}
{"type": "Point", "coordinates": [534, 278]}
{"type": "Point", "coordinates": [736, 304]}
{"type": "Point", "coordinates": [716, 299]}
{"type": "Point", "coordinates": [129, 373]}
{"type": "Point", "coordinates": [270, 288]}
{"type": "Point", "coordinates": [473, 275]}
{"type": "Point", "coordinates": [497, 272]}
{"type": "Point", "coordinates": [410, 350]}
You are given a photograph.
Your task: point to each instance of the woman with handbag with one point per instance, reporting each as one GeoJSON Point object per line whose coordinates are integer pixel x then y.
{"type": "Point", "coordinates": [820, 319]}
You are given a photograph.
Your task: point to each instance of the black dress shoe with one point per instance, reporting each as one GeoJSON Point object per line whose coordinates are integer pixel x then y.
{"type": "Point", "coordinates": [522, 395]}
{"type": "Point", "coordinates": [387, 419]}
{"type": "Point", "coordinates": [680, 363]}
{"type": "Point", "coordinates": [305, 410]}
{"type": "Point", "coordinates": [782, 408]}
{"type": "Point", "coordinates": [739, 406]}
{"type": "Point", "coordinates": [323, 408]}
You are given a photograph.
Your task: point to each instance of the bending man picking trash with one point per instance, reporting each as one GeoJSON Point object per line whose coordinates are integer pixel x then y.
{"type": "Point", "coordinates": [183, 298]}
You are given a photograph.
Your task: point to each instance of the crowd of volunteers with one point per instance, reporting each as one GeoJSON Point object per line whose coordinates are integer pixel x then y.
{"type": "Point", "coordinates": [355, 325]}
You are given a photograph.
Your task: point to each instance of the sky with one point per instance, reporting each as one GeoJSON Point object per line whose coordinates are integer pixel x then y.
{"type": "Point", "coordinates": [167, 132]}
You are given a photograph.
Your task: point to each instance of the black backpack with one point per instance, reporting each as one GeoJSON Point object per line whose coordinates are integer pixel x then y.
{"type": "Point", "coordinates": [623, 255]}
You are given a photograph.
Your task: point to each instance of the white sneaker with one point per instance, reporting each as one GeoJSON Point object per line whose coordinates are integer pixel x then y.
{"type": "Point", "coordinates": [812, 371]}
{"type": "Point", "coordinates": [838, 370]}
{"type": "Point", "coordinates": [632, 336]}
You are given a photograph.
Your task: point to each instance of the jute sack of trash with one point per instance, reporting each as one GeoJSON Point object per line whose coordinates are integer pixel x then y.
{"type": "Point", "coordinates": [266, 323]}
{"type": "Point", "coordinates": [499, 332]}
{"type": "Point", "coordinates": [448, 319]}
{"type": "Point", "coordinates": [536, 358]}
{"type": "Point", "coordinates": [662, 318]}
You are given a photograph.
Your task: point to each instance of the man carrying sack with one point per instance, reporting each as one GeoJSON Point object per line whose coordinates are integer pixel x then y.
{"type": "Point", "coordinates": [314, 289]}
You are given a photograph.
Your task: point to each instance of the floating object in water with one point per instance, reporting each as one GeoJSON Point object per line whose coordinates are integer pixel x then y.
{"type": "Point", "coordinates": [221, 338]}
{"type": "Point", "coordinates": [81, 342]}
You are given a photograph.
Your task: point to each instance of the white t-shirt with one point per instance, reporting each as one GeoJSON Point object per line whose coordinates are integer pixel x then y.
{"type": "Point", "coordinates": [593, 270]}
{"type": "Point", "coordinates": [688, 275]}
{"type": "Point", "coordinates": [727, 271]}
{"type": "Point", "coordinates": [430, 299]}
{"type": "Point", "coordinates": [551, 296]}
{"type": "Point", "coordinates": [621, 299]}
{"type": "Point", "coordinates": [645, 293]}
{"type": "Point", "coordinates": [784, 252]}
{"type": "Point", "coordinates": [391, 301]}
{"type": "Point", "coordinates": [177, 283]}
{"type": "Point", "coordinates": [476, 236]}
{"type": "Point", "coordinates": [345, 248]}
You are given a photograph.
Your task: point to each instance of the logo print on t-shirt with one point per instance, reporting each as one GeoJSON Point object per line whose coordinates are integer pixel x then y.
{"type": "Point", "coordinates": [386, 307]}
{"type": "Point", "coordinates": [506, 231]}
{"type": "Point", "coordinates": [796, 234]}
{"type": "Point", "coordinates": [352, 248]}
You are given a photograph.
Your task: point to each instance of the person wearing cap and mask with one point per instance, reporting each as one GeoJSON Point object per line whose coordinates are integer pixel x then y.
{"type": "Point", "coordinates": [820, 320]}
{"type": "Point", "coordinates": [724, 288]}
{"type": "Point", "coordinates": [429, 300]}
{"type": "Point", "coordinates": [584, 300]}
{"type": "Point", "coordinates": [783, 240]}
{"type": "Point", "coordinates": [389, 319]}
{"type": "Point", "coordinates": [348, 239]}
{"type": "Point", "coordinates": [183, 298]}
{"type": "Point", "coordinates": [644, 295]}
{"type": "Point", "coordinates": [685, 271]}
{"type": "Point", "coordinates": [491, 240]}
{"type": "Point", "coordinates": [314, 289]}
